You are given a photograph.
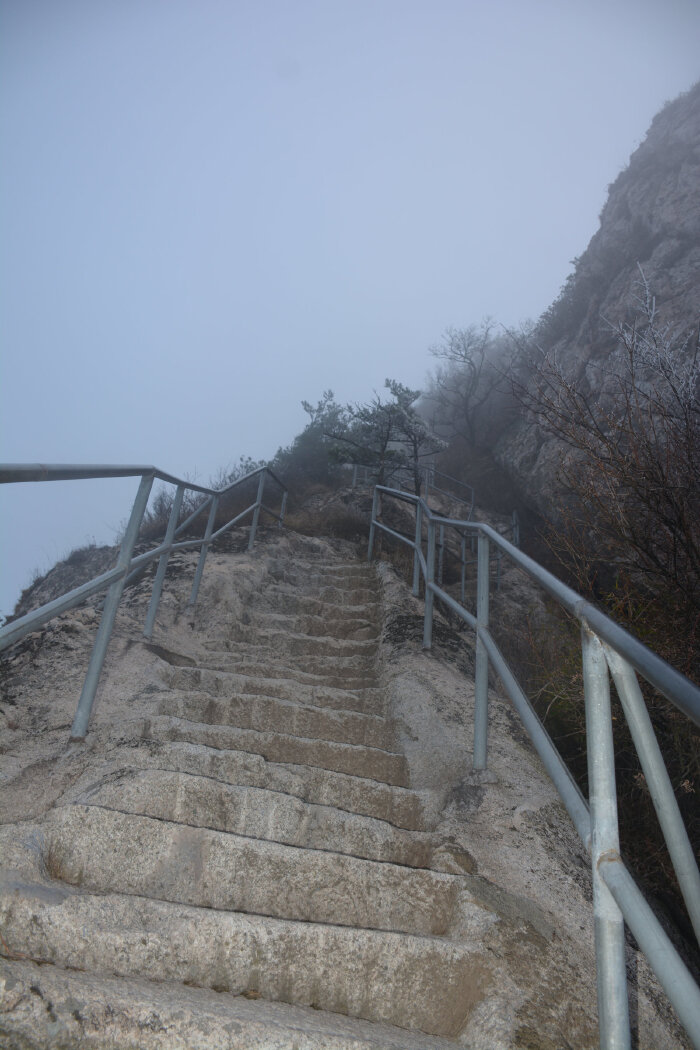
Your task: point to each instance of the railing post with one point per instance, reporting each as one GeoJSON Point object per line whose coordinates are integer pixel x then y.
{"type": "Point", "coordinates": [463, 555]}
{"type": "Point", "coordinates": [429, 596]}
{"type": "Point", "coordinates": [613, 1010]}
{"type": "Point", "coordinates": [109, 612]}
{"type": "Point", "coordinates": [481, 668]}
{"type": "Point", "coordinates": [163, 562]}
{"type": "Point", "coordinates": [418, 542]}
{"type": "Point", "coordinates": [658, 783]}
{"type": "Point", "coordinates": [441, 553]}
{"type": "Point", "coordinates": [203, 551]}
{"type": "Point", "coordinates": [372, 526]}
{"type": "Point", "coordinates": [283, 509]}
{"type": "Point", "coordinates": [256, 512]}
{"type": "Point", "coordinates": [516, 529]}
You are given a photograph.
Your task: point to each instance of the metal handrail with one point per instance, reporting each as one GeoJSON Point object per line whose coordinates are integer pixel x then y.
{"type": "Point", "coordinates": [607, 651]}
{"type": "Point", "coordinates": [129, 566]}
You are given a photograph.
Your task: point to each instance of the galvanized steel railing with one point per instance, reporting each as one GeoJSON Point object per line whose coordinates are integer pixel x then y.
{"type": "Point", "coordinates": [128, 566]}
{"type": "Point", "coordinates": [607, 649]}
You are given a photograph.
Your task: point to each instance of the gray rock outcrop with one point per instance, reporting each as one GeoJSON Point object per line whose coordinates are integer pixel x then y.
{"type": "Point", "coordinates": [651, 220]}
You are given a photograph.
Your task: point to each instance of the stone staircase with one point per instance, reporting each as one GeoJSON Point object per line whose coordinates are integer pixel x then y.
{"type": "Point", "coordinates": [265, 843]}
{"type": "Point", "coordinates": [272, 837]}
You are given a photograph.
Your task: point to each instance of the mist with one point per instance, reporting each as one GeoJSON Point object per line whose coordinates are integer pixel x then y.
{"type": "Point", "coordinates": [211, 211]}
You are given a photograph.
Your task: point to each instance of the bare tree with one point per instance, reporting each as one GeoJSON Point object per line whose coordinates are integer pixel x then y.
{"type": "Point", "coordinates": [633, 456]}
{"type": "Point", "coordinates": [470, 388]}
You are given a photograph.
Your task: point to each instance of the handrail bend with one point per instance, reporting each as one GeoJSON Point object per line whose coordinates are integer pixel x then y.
{"type": "Point", "coordinates": [129, 566]}
{"type": "Point", "coordinates": [607, 651]}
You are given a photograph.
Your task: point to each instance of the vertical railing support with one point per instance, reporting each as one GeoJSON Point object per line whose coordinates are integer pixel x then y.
{"type": "Point", "coordinates": [658, 783]}
{"type": "Point", "coordinates": [418, 542]}
{"type": "Point", "coordinates": [441, 554]}
{"type": "Point", "coordinates": [203, 552]}
{"type": "Point", "coordinates": [613, 1010]}
{"type": "Point", "coordinates": [256, 512]}
{"type": "Point", "coordinates": [104, 633]}
{"type": "Point", "coordinates": [283, 509]}
{"type": "Point", "coordinates": [163, 563]}
{"type": "Point", "coordinates": [430, 578]}
{"type": "Point", "coordinates": [463, 557]}
{"type": "Point", "coordinates": [372, 525]}
{"type": "Point", "coordinates": [481, 669]}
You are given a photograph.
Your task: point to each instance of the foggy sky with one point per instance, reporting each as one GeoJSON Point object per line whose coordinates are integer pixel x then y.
{"type": "Point", "coordinates": [211, 210]}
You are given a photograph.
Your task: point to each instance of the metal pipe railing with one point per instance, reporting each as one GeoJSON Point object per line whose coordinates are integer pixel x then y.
{"type": "Point", "coordinates": [128, 566]}
{"type": "Point", "coordinates": [607, 650]}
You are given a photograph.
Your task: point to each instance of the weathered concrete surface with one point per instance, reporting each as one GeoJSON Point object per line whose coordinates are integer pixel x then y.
{"type": "Point", "coordinates": [274, 811]}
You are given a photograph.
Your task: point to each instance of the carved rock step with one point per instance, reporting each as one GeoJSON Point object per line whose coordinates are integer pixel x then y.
{"type": "Point", "coordinates": [266, 665]}
{"type": "Point", "coordinates": [357, 760]}
{"type": "Point", "coordinates": [109, 851]}
{"type": "Point", "coordinates": [305, 591]}
{"type": "Point", "coordinates": [301, 655]}
{"type": "Point", "coordinates": [334, 625]}
{"type": "Point", "coordinates": [274, 599]}
{"type": "Point", "coordinates": [414, 982]}
{"type": "Point", "coordinates": [229, 684]}
{"type": "Point", "coordinates": [270, 715]}
{"type": "Point", "coordinates": [100, 1012]}
{"type": "Point", "coordinates": [346, 576]}
{"type": "Point", "coordinates": [259, 813]}
{"type": "Point", "coordinates": [284, 641]}
{"type": "Point", "coordinates": [397, 805]}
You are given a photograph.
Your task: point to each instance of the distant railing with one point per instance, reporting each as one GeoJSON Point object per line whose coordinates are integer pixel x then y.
{"type": "Point", "coordinates": [607, 650]}
{"type": "Point", "coordinates": [128, 566]}
{"type": "Point", "coordinates": [431, 479]}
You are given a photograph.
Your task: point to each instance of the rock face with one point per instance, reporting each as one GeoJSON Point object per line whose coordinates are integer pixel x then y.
{"type": "Point", "coordinates": [271, 837]}
{"type": "Point", "coordinates": [651, 220]}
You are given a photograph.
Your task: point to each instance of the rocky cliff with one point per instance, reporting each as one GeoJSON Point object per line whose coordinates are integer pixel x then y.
{"type": "Point", "coordinates": [649, 225]}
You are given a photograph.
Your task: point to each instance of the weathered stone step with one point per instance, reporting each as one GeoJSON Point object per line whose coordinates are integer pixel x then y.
{"type": "Point", "coordinates": [259, 813]}
{"type": "Point", "coordinates": [230, 683]}
{"type": "Point", "coordinates": [328, 594]}
{"type": "Point", "coordinates": [271, 715]}
{"type": "Point", "coordinates": [275, 599]}
{"type": "Point", "coordinates": [295, 642]}
{"type": "Point", "coordinates": [322, 568]}
{"type": "Point", "coordinates": [298, 658]}
{"type": "Point", "coordinates": [414, 982]}
{"type": "Point", "coordinates": [109, 851]}
{"type": "Point", "coordinates": [339, 626]}
{"type": "Point", "coordinates": [265, 665]}
{"type": "Point", "coordinates": [359, 761]}
{"type": "Point", "coordinates": [399, 806]}
{"type": "Point", "coordinates": [102, 1012]}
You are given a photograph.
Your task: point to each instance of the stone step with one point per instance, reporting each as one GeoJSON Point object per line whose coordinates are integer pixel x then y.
{"type": "Point", "coordinates": [415, 982]}
{"type": "Point", "coordinates": [349, 569]}
{"type": "Point", "coordinates": [109, 851]}
{"type": "Point", "coordinates": [102, 1012]}
{"type": "Point", "coordinates": [296, 642]}
{"type": "Point", "coordinates": [255, 812]}
{"type": "Point", "coordinates": [271, 715]}
{"type": "Point", "coordinates": [398, 806]}
{"type": "Point", "coordinates": [325, 593]}
{"type": "Point", "coordinates": [304, 660]}
{"type": "Point", "coordinates": [229, 683]}
{"type": "Point", "coordinates": [275, 599]}
{"type": "Point", "coordinates": [338, 626]}
{"type": "Point", "coordinates": [373, 763]}
{"type": "Point", "coordinates": [265, 665]}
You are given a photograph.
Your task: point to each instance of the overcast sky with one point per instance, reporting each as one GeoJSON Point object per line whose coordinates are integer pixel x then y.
{"type": "Point", "coordinates": [213, 209]}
